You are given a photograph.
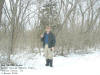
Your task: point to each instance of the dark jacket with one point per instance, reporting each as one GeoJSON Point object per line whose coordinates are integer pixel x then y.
{"type": "Point", "coordinates": [51, 40]}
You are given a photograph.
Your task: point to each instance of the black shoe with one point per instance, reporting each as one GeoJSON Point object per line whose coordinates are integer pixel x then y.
{"type": "Point", "coordinates": [47, 62]}
{"type": "Point", "coordinates": [51, 62]}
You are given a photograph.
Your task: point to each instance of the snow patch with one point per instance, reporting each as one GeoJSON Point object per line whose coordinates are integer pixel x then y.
{"type": "Point", "coordinates": [87, 64]}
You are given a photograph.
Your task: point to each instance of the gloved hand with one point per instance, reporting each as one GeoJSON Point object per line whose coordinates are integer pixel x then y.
{"type": "Point", "coordinates": [52, 48]}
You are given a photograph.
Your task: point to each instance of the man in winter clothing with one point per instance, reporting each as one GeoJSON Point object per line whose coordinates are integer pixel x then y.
{"type": "Point", "coordinates": [49, 41]}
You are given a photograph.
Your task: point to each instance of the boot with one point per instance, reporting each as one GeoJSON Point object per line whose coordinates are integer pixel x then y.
{"type": "Point", "coordinates": [51, 62]}
{"type": "Point", "coordinates": [47, 62]}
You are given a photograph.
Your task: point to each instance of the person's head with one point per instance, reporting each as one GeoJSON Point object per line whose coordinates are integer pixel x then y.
{"type": "Point", "coordinates": [48, 29]}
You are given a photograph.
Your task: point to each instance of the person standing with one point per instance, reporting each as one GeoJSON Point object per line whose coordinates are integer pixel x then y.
{"type": "Point", "coordinates": [49, 41]}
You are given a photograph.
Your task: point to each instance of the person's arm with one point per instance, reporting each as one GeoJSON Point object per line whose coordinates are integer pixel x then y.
{"type": "Point", "coordinates": [42, 37]}
{"type": "Point", "coordinates": [53, 41]}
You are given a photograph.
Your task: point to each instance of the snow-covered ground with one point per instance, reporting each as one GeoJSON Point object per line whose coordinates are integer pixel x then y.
{"type": "Point", "coordinates": [87, 64]}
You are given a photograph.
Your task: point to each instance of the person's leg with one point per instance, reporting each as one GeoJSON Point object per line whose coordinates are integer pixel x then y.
{"type": "Point", "coordinates": [47, 62]}
{"type": "Point", "coordinates": [50, 56]}
{"type": "Point", "coordinates": [46, 55]}
{"type": "Point", "coordinates": [51, 62]}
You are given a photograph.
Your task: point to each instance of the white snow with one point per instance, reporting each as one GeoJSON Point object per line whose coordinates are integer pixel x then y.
{"type": "Point", "coordinates": [87, 64]}
{"type": "Point", "coordinates": [73, 64]}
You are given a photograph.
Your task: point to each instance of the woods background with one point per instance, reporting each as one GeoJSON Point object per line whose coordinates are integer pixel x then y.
{"type": "Point", "coordinates": [76, 24]}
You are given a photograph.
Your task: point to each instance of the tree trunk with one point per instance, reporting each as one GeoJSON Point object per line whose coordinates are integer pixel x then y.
{"type": "Point", "coordinates": [1, 7]}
